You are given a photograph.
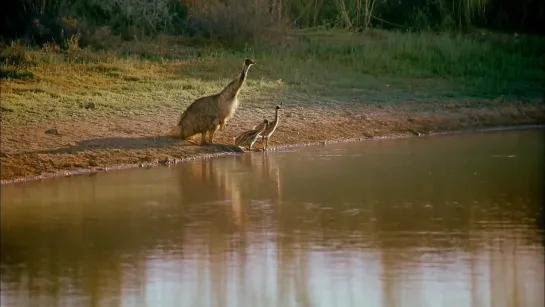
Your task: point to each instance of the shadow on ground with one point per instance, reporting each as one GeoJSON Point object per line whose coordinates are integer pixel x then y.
{"type": "Point", "coordinates": [123, 143]}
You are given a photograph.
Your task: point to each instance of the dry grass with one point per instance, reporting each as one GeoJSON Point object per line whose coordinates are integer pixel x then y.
{"type": "Point", "coordinates": [333, 85]}
{"type": "Point", "coordinates": [318, 67]}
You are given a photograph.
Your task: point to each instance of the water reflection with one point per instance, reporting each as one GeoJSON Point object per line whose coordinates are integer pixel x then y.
{"type": "Point", "coordinates": [422, 222]}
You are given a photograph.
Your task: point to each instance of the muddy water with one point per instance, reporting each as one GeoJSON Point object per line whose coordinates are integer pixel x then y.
{"type": "Point", "coordinates": [432, 221]}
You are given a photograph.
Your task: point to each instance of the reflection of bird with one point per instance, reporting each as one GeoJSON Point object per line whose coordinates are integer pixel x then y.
{"type": "Point", "coordinates": [209, 113]}
{"type": "Point", "coordinates": [248, 138]}
{"type": "Point", "coordinates": [265, 135]}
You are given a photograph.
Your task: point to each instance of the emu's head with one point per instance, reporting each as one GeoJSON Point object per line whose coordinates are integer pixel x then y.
{"type": "Point", "coordinates": [278, 107]}
{"type": "Point", "coordinates": [248, 62]}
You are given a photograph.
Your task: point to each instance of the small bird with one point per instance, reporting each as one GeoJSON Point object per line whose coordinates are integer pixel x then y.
{"type": "Point", "coordinates": [248, 138]}
{"type": "Point", "coordinates": [266, 134]}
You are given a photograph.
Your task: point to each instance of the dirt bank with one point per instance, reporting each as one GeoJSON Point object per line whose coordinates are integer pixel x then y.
{"type": "Point", "coordinates": [99, 144]}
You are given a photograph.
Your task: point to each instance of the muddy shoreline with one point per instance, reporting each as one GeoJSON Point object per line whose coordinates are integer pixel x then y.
{"type": "Point", "coordinates": [104, 143]}
{"type": "Point", "coordinates": [412, 134]}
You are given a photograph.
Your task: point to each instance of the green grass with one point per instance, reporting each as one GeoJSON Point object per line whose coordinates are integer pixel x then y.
{"type": "Point", "coordinates": [145, 77]}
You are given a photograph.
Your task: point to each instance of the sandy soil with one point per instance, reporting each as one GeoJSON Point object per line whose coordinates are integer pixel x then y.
{"type": "Point", "coordinates": [98, 144]}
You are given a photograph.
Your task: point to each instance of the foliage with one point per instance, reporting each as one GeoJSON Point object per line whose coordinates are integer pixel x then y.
{"type": "Point", "coordinates": [252, 21]}
{"type": "Point", "coordinates": [237, 21]}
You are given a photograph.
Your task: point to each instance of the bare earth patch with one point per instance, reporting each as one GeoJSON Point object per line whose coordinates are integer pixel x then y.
{"type": "Point", "coordinates": [99, 143]}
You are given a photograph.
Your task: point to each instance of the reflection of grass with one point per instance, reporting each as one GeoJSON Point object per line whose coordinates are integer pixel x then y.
{"type": "Point", "coordinates": [320, 67]}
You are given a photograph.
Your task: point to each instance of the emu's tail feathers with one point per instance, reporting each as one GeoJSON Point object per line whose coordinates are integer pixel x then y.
{"type": "Point", "coordinates": [176, 131]}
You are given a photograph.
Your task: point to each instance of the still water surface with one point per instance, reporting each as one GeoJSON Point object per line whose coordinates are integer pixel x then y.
{"type": "Point", "coordinates": [432, 221]}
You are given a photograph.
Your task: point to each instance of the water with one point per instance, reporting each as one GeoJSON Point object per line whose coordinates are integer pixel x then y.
{"type": "Point", "coordinates": [432, 221]}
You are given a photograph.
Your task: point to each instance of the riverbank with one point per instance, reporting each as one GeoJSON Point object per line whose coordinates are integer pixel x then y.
{"type": "Point", "coordinates": [121, 143]}
{"type": "Point", "coordinates": [83, 109]}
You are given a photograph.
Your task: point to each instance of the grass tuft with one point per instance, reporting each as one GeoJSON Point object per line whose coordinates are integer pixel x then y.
{"type": "Point", "coordinates": [13, 73]}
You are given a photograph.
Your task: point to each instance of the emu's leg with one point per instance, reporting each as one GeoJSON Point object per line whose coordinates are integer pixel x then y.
{"type": "Point", "coordinates": [211, 133]}
{"type": "Point", "coordinates": [182, 134]}
{"type": "Point", "coordinates": [203, 138]}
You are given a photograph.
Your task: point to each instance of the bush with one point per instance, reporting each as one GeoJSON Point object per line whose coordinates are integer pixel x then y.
{"type": "Point", "coordinates": [236, 21]}
{"type": "Point", "coordinates": [15, 55]}
{"type": "Point", "coordinates": [240, 22]}
{"type": "Point", "coordinates": [140, 16]}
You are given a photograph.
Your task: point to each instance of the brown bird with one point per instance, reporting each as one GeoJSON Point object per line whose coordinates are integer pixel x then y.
{"type": "Point", "coordinates": [269, 130]}
{"type": "Point", "coordinates": [248, 138]}
{"type": "Point", "coordinates": [210, 113]}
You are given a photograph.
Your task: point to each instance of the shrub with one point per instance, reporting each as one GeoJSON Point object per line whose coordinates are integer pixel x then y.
{"type": "Point", "coordinates": [51, 47]}
{"type": "Point", "coordinates": [72, 43]}
{"type": "Point", "coordinates": [15, 55]}
{"type": "Point", "coordinates": [237, 21]}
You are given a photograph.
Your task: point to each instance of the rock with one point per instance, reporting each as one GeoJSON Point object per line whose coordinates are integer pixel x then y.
{"type": "Point", "coordinates": [452, 105]}
{"type": "Point", "coordinates": [146, 159]}
{"type": "Point", "coordinates": [167, 161]}
{"type": "Point", "coordinates": [93, 162]}
{"type": "Point", "coordinates": [237, 149]}
{"type": "Point", "coordinates": [414, 132]}
{"type": "Point", "coordinates": [52, 131]}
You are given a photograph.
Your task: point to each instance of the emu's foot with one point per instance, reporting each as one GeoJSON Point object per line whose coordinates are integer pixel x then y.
{"type": "Point", "coordinates": [192, 142]}
{"type": "Point", "coordinates": [189, 141]}
{"type": "Point", "coordinates": [204, 142]}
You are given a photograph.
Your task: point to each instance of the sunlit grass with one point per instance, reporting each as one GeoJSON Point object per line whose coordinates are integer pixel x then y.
{"type": "Point", "coordinates": [317, 67]}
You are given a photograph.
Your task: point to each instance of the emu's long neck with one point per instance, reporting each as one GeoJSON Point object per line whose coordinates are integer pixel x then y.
{"type": "Point", "coordinates": [275, 118]}
{"type": "Point", "coordinates": [262, 128]}
{"type": "Point", "coordinates": [233, 88]}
